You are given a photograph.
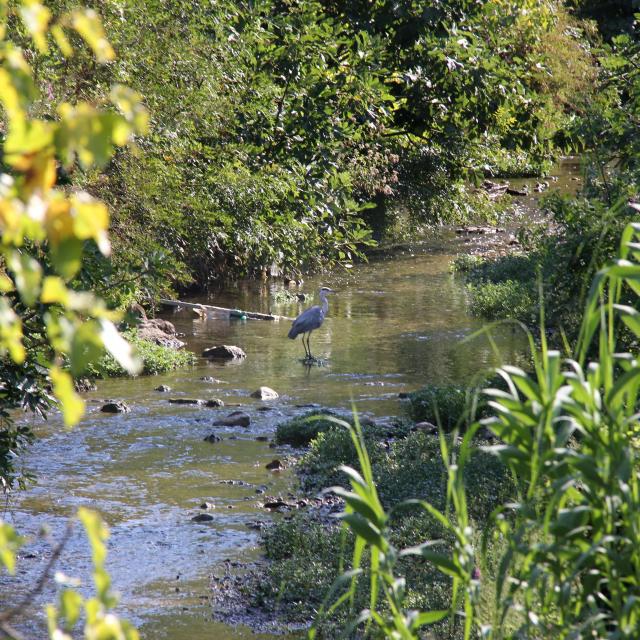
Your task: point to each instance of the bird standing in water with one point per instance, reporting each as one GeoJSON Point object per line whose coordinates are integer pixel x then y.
{"type": "Point", "coordinates": [309, 320]}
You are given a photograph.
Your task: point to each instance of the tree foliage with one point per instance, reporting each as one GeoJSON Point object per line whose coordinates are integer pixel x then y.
{"type": "Point", "coordinates": [274, 124]}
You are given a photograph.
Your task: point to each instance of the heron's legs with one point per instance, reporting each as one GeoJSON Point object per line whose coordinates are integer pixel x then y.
{"type": "Point", "coordinates": [307, 353]}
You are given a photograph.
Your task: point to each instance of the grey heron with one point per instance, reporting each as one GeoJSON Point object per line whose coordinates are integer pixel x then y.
{"type": "Point", "coordinates": [311, 319]}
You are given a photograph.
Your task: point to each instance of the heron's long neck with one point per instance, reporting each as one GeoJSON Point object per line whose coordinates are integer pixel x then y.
{"type": "Point", "coordinates": [325, 302]}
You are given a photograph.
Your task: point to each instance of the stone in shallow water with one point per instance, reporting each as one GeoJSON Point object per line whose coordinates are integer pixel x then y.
{"type": "Point", "coordinates": [83, 385]}
{"type": "Point", "coordinates": [212, 437]}
{"type": "Point", "coordinates": [115, 407]}
{"type": "Point", "coordinates": [202, 517]}
{"type": "Point", "coordinates": [224, 352]}
{"type": "Point", "coordinates": [163, 388]}
{"type": "Point", "coordinates": [426, 427]}
{"type": "Point", "coordinates": [195, 401]}
{"type": "Point", "coordinates": [274, 465]}
{"type": "Point", "coordinates": [234, 419]}
{"type": "Point", "coordinates": [214, 402]}
{"type": "Point", "coordinates": [265, 393]}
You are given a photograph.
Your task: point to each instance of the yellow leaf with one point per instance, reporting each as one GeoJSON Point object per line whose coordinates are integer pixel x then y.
{"type": "Point", "coordinates": [59, 221]}
{"type": "Point", "coordinates": [130, 104]}
{"type": "Point", "coordinates": [36, 19]}
{"type": "Point", "coordinates": [97, 532]}
{"type": "Point", "coordinates": [10, 542]}
{"type": "Point", "coordinates": [11, 333]}
{"type": "Point", "coordinates": [119, 348]}
{"type": "Point", "coordinates": [61, 40]}
{"type": "Point", "coordinates": [91, 220]}
{"type": "Point", "coordinates": [89, 27]}
{"type": "Point", "coordinates": [54, 291]}
{"type": "Point", "coordinates": [29, 148]}
{"type": "Point", "coordinates": [71, 403]}
{"type": "Point", "coordinates": [9, 96]}
{"type": "Point", "coordinates": [6, 284]}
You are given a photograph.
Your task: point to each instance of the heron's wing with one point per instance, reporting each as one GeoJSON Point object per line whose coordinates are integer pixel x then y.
{"type": "Point", "coordinates": [308, 320]}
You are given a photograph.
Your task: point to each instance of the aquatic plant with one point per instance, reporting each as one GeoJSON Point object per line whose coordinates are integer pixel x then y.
{"type": "Point", "coordinates": [567, 559]}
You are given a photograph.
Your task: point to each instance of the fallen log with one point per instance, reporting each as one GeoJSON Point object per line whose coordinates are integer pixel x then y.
{"type": "Point", "coordinates": [232, 313]}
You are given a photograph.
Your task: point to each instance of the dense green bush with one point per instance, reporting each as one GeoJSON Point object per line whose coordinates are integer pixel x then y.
{"type": "Point", "coordinates": [155, 359]}
{"type": "Point", "coordinates": [306, 553]}
{"type": "Point", "coordinates": [301, 430]}
{"type": "Point", "coordinates": [274, 124]}
{"type": "Point", "coordinates": [585, 229]}
{"type": "Point", "coordinates": [446, 406]}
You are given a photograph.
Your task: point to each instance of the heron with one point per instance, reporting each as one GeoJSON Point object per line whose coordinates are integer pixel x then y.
{"type": "Point", "coordinates": [311, 319]}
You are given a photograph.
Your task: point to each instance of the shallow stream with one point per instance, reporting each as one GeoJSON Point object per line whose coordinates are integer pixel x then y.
{"type": "Point", "coordinates": [395, 324]}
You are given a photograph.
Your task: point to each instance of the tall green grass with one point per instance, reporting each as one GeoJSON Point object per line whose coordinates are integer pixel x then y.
{"type": "Point", "coordinates": [566, 549]}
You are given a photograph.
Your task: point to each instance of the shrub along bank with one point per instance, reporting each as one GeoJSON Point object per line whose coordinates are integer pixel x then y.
{"type": "Point", "coordinates": [308, 551]}
{"type": "Point", "coordinates": [274, 125]}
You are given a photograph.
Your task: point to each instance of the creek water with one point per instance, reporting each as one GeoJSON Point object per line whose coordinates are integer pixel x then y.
{"type": "Point", "coordinates": [395, 324]}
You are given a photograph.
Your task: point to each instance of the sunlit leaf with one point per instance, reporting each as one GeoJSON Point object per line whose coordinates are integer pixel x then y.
{"type": "Point", "coordinates": [70, 607]}
{"type": "Point", "coordinates": [27, 274]}
{"type": "Point", "coordinates": [10, 542]}
{"type": "Point", "coordinates": [11, 333]}
{"type": "Point", "coordinates": [119, 348]}
{"type": "Point", "coordinates": [87, 23]}
{"type": "Point", "coordinates": [61, 40]}
{"type": "Point", "coordinates": [36, 18]}
{"type": "Point", "coordinates": [54, 291]}
{"type": "Point", "coordinates": [71, 403]}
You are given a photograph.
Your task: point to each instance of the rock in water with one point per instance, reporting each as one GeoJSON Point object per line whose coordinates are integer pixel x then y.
{"type": "Point", "coordinates": [214, 402]}
{"type": "Point", "coordinates": [224, 352]}
{"type": "Point", "coordinates": [163, 388]}
{"type": "Point", "coordinates": [160, 332]}
{"type": "Point", "coordinates": [274, 465]}
{"type": "Point", "coordinates": [115, 407]}
{"type": "Point", "coordinates": [234, 419]}
{"type": "Point", "coordinates": [83, 385]}
{"type": "Point", "coordinates": [202, 517]}
{"type": "Point", "coordinates": [427, 427]}
{"type": "Point", "coordinates": [265, 393]}
{"type": "Point", "coordinates": [212, 437]}
{"type": "Point", "coordinates": [186, 401]}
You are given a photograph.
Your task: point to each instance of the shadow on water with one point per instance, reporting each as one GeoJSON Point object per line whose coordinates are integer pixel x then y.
{"type": "Point", "coordinates": [394, 325]}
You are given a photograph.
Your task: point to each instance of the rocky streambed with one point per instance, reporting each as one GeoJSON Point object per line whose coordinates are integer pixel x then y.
{"type": "Point", "coordinates": [395, 324]}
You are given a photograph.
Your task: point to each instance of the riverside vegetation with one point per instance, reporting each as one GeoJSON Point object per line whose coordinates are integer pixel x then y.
{"type": "Point", "coordinates": [518, 524]}
{"type": "Point", "coordinates": [286, 136]}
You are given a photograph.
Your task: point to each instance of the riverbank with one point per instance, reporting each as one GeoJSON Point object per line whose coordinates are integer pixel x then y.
{"type": "Point", "coordinates": [394, 325]}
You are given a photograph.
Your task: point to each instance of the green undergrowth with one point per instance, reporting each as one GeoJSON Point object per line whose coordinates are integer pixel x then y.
{"type": "Point", "coordinates": [449, 406]}
{"type": "Point", "coordinates": [301, 430]}
{"type": "Point", "coordinates": [285, 296]}
{"type": "Point", "coordinates": [444, 405]}
{"type": "Point", "coordinates": [502, 288]}
{"type": "Point", "coordinates": [307, 552]}
{"type": "Point", "coordinates": [156, 359]}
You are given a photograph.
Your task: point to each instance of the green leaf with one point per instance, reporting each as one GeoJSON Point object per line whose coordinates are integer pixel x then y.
{"type": "Point", "coordinates": [10, 542]}
{"type": "Point", "coordinates": [119, 348]}
{"type": "Point", "coordinates": [71, 403]}
{"type": "Point", "coordinates": [70, 607]}
{"type": "Point", "coordinates": [364, 529]}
